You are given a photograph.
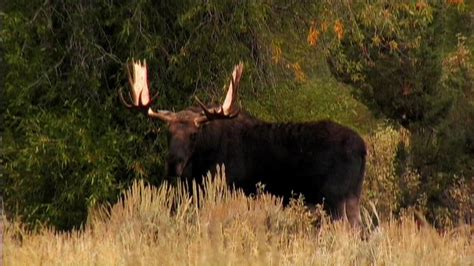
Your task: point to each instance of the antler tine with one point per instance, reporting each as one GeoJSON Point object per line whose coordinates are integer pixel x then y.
{"type": "Point", "coordinates": [231, 98]}
{"type": "Point", "coordinates": [123, 100]}
{"type": "Point", "coordinates": [153, 99]}
{"type": "Point", "coordinates": [131, 81]}
{"type": "Point", "coordinates": [207, 112]}
{"type": "Point", "coordinates": [129, 73]}
{"type": "Point", "coordinates": [137, 72]}
{"type": "Point", "coordinates": [227, 109]}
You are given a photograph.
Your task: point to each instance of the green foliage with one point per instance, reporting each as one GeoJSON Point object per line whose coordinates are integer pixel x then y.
{"type": "Point", "coordinates": [395, 189]}
{"type": "Point", "coordinates": [67, 142]}
{"type": "Point", "coordinates": [318, 98]}
{"type": "Point", "coordinates": [390, 52]}
{"type": "Point", "coordinates": [444, 153]}
{"type": "Point", "coordinates": [399, 57]}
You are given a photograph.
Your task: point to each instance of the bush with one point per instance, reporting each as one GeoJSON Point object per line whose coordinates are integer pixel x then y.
{"type": "Point", "coordinates": [389, 51]}
{"type": "Point", "coordinates": [386, 186]}
{"type": "Point", "coordinates": [444, 153]}
{"type": "Point", "coordinates": [396, 55]}
{"type": "Point", "coordinates": [395, 186]}
{"type": "Point", "coordinates": [67, 143]}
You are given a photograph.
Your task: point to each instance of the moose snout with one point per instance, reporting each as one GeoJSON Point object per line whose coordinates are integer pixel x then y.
{"type": "Point", "coordinates": [178, 169]}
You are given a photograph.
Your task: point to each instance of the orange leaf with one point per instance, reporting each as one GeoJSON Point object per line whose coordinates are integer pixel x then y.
{"type": "Point", "coordinates": [339, 29]}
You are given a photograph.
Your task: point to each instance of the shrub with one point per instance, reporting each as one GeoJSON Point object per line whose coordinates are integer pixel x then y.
{"type": "Point", "coordinates": [395, 187]}
{"type": "Point", "coordinates": [67, 143]}
{"type": "Point", "coordinates": [397, 56]}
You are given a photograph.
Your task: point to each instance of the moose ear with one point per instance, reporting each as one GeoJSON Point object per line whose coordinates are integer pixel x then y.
{"type": "Point", "coordinates": [201, 120]}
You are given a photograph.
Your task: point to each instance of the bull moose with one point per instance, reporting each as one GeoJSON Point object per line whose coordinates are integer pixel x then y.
{"type": "Point", "coordinates": [322, 160]}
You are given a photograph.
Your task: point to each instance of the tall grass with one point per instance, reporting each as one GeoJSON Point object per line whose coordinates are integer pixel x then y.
{"type": "Point", "coordinates": [210, 224]}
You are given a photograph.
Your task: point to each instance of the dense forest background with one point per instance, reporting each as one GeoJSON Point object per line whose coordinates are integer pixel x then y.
{"type": "Point", "coordinates": [399, 72]}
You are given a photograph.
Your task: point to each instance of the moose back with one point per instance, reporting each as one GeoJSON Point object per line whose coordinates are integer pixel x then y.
{"type": "Point", "coordinates": [322, 160]}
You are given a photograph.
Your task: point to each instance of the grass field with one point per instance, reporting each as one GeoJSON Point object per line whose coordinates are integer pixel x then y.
{"type": "Point", "coordinates": [170, 226]}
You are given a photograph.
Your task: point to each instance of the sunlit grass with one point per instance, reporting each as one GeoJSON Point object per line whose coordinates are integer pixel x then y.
{"type": "Point", "coordinates": [214, 225]}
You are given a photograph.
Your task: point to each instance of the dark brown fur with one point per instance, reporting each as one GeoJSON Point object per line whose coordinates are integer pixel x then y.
{"type": "Point", "coordinates": [322, 160]}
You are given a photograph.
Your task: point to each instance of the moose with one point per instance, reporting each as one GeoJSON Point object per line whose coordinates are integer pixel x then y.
{"type": "Point", "coordinates": [323, 160]}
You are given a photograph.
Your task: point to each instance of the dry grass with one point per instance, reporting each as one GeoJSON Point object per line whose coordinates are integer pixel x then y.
{"type": "Point", "coordinates": [165, 226]}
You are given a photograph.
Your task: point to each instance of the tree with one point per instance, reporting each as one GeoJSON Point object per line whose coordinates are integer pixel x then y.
{"type": "Point", "coordinates": [396, 56]}
{"type": "Point", "coordinates": [67, 143]}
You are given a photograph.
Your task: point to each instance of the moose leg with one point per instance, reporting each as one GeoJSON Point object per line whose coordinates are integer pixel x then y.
{"type": "Point", "coordinates": [353, 211]}
{"type": "Point", "coordinates": [338, 211]}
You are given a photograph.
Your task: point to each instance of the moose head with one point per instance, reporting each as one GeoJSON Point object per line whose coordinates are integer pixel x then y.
{"type": "Point", "coordinates": [183, 125]}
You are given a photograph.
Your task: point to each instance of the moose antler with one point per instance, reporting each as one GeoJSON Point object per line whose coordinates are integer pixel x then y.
{"type": "Point", "coordinates": [140, 93]}
{"type": "Point", "coordinates": [229, 108]}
